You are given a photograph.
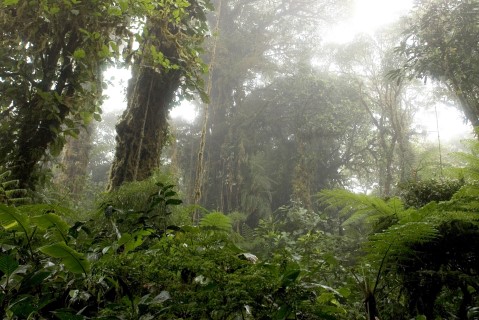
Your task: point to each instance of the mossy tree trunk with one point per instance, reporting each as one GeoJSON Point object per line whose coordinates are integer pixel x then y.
{"type": "Point", "coordinates": [142, 128]}
{"type": "Point", "coordinates": [168, 60]}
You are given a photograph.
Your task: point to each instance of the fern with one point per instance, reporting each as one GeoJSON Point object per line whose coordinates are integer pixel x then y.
{"type": "Point", "coordinates": [412, 226]}
{"type": "Point", "coordinates": [216, 221]}
{"type": "Point", "coordinates": [10, 193]}
{"type": "Point", "coordinates": [359, 208]}
{"type": "Point", "coordinates": [248, 233]}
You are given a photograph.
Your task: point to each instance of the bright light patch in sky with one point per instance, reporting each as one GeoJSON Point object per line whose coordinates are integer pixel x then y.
{"type": "Point", "coordinates": [450, 122]}
{"type": "Point", "coordinates": [185, 110]}
{"type": "Point", "coordinates": [115, 92]}
{"type": "Point", "coordinates": [367, 16]}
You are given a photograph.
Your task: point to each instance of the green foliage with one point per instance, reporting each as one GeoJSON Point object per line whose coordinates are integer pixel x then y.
{"type": "Point", "coordinates": [130, 264]}
{"type": "Point", "coordinates": [216, 221]}
{"type": "Point", "coordinates": [440, 42]}
{"type": "Point", "coordinates": [72, 260]}
{"type": "Point", "coordinates": [126, 268]}
{"type": "Point", "coordinates": [145, 203]}
{"type": "Point", "coordinates": [10, 193]}
{"type": "Point", "coordinates": [415, 248]}
{"type": "Point", "coordinates": [360, 208]}
{"type": "Point", "coordinates": [423, 258]}
{"type": "Point", "coordinates": [35, 273]}
{"type": "Point", "coordinates": [419, 193]}
{"type": "Point", "coordinates": [11, 219]}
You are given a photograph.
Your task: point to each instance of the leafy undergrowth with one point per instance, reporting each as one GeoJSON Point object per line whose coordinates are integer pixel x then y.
{"type": "Point", "coordinates": [129, 264]}
{"type": "Point", "coordinates": [384, 260]}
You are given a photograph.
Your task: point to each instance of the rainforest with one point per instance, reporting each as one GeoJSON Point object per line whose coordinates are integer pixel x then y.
{"type": "Point", "coordinates": [239, 159]}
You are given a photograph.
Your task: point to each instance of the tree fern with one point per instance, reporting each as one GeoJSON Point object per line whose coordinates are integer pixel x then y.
{"type": "Point", "coordinates": [423, 250]}
{"type": "Point", "coordinates": [413, 226]}
{"type": "Point", "coordinates": [360, 207]}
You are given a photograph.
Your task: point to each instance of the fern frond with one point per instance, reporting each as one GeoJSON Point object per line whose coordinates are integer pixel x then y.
{"type": "Point", "coordinates": [466, 199]}
{"type": "Point", "coordinates": [10, 194]}
{"type": "Point", "coordinates": [416, 227]}
{"type": "Point", "coordinates": [216, 221]}
{"type": "Point", "coordinates": [10, 184]}
{"type": "Point", "coordinates": [248, 233]}
{"type": "Point", "coordinates": [360, 207]}
{"type": "Point", "coordinates": [397, 240]}
{"type": "Point", "coordinates": [4, 175]}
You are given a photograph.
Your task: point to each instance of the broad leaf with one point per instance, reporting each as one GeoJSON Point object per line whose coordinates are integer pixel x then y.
{"type": "Point", "coordinates": [74, 261]}
{"type": "Point", "coordinates": [10, 2]}
{"type": "Point", "coordinates": [52, 221]}
{"type": "Point", "coordinates": [8, 265]}
{"type": "Point", "coordinates": [67, 315]}
{"type": "Point", "coordinates": [132, 241]}
{"type": "Point", "coordinates": [10, 218]}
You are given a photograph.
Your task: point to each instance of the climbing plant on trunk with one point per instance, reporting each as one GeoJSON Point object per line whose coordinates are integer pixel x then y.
{"type": "Point", "coordinates": [52, 56]}
{"type": "Point", "coordinates": [167, 64]}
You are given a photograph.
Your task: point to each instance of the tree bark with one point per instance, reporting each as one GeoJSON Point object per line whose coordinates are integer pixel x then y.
{"type": "Point", "coordinates": [142, 129]}
{"type": "Point", "coordinates": [76, 155]}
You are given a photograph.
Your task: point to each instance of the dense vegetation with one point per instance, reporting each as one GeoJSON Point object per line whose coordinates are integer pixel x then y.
{"type": "Point", "coordinates": [254, 209]}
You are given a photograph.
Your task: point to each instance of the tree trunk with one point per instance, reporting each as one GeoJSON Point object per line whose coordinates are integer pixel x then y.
{"type": "Point", "coordinates": [38, 131]}
{"type": "Point", "coordinates": [143, 126]}
{"type": "Point", "coordinates": [76, 155]}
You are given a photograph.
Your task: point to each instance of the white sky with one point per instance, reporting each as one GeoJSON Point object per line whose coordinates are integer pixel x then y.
{"type": "Point", "coordinates": [452, 126]}
{"type": "Point", "coordinates": [116, 91]}
{"type": "Point", "coordinates": [367, 16]}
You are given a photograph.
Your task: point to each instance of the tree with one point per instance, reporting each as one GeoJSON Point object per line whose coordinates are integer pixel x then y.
{"type": "Point", "coordinates": [257, 40]}
{"type": "Point", "coordinates": [74, 162]}
{"type": "Point", "coordinates": [440, 43]}
{"type": "Point", "coordinates": [103, 149]}
{"type": "Point", "coordinates": [167, 60]}
{"type": "Point", "coordinates": [288, 140]}
{"type": "Point", "coordinates": [51, 58]}
{"type": "Point", "coordinates": [367, 61]}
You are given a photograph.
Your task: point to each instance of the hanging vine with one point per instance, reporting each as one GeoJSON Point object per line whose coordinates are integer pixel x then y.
{"type": "Point", "coordinates": [200, 162]}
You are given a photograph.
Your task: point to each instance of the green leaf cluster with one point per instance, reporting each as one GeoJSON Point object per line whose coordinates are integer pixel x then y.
{"type": "Point", "coordinates": [428, 251]}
